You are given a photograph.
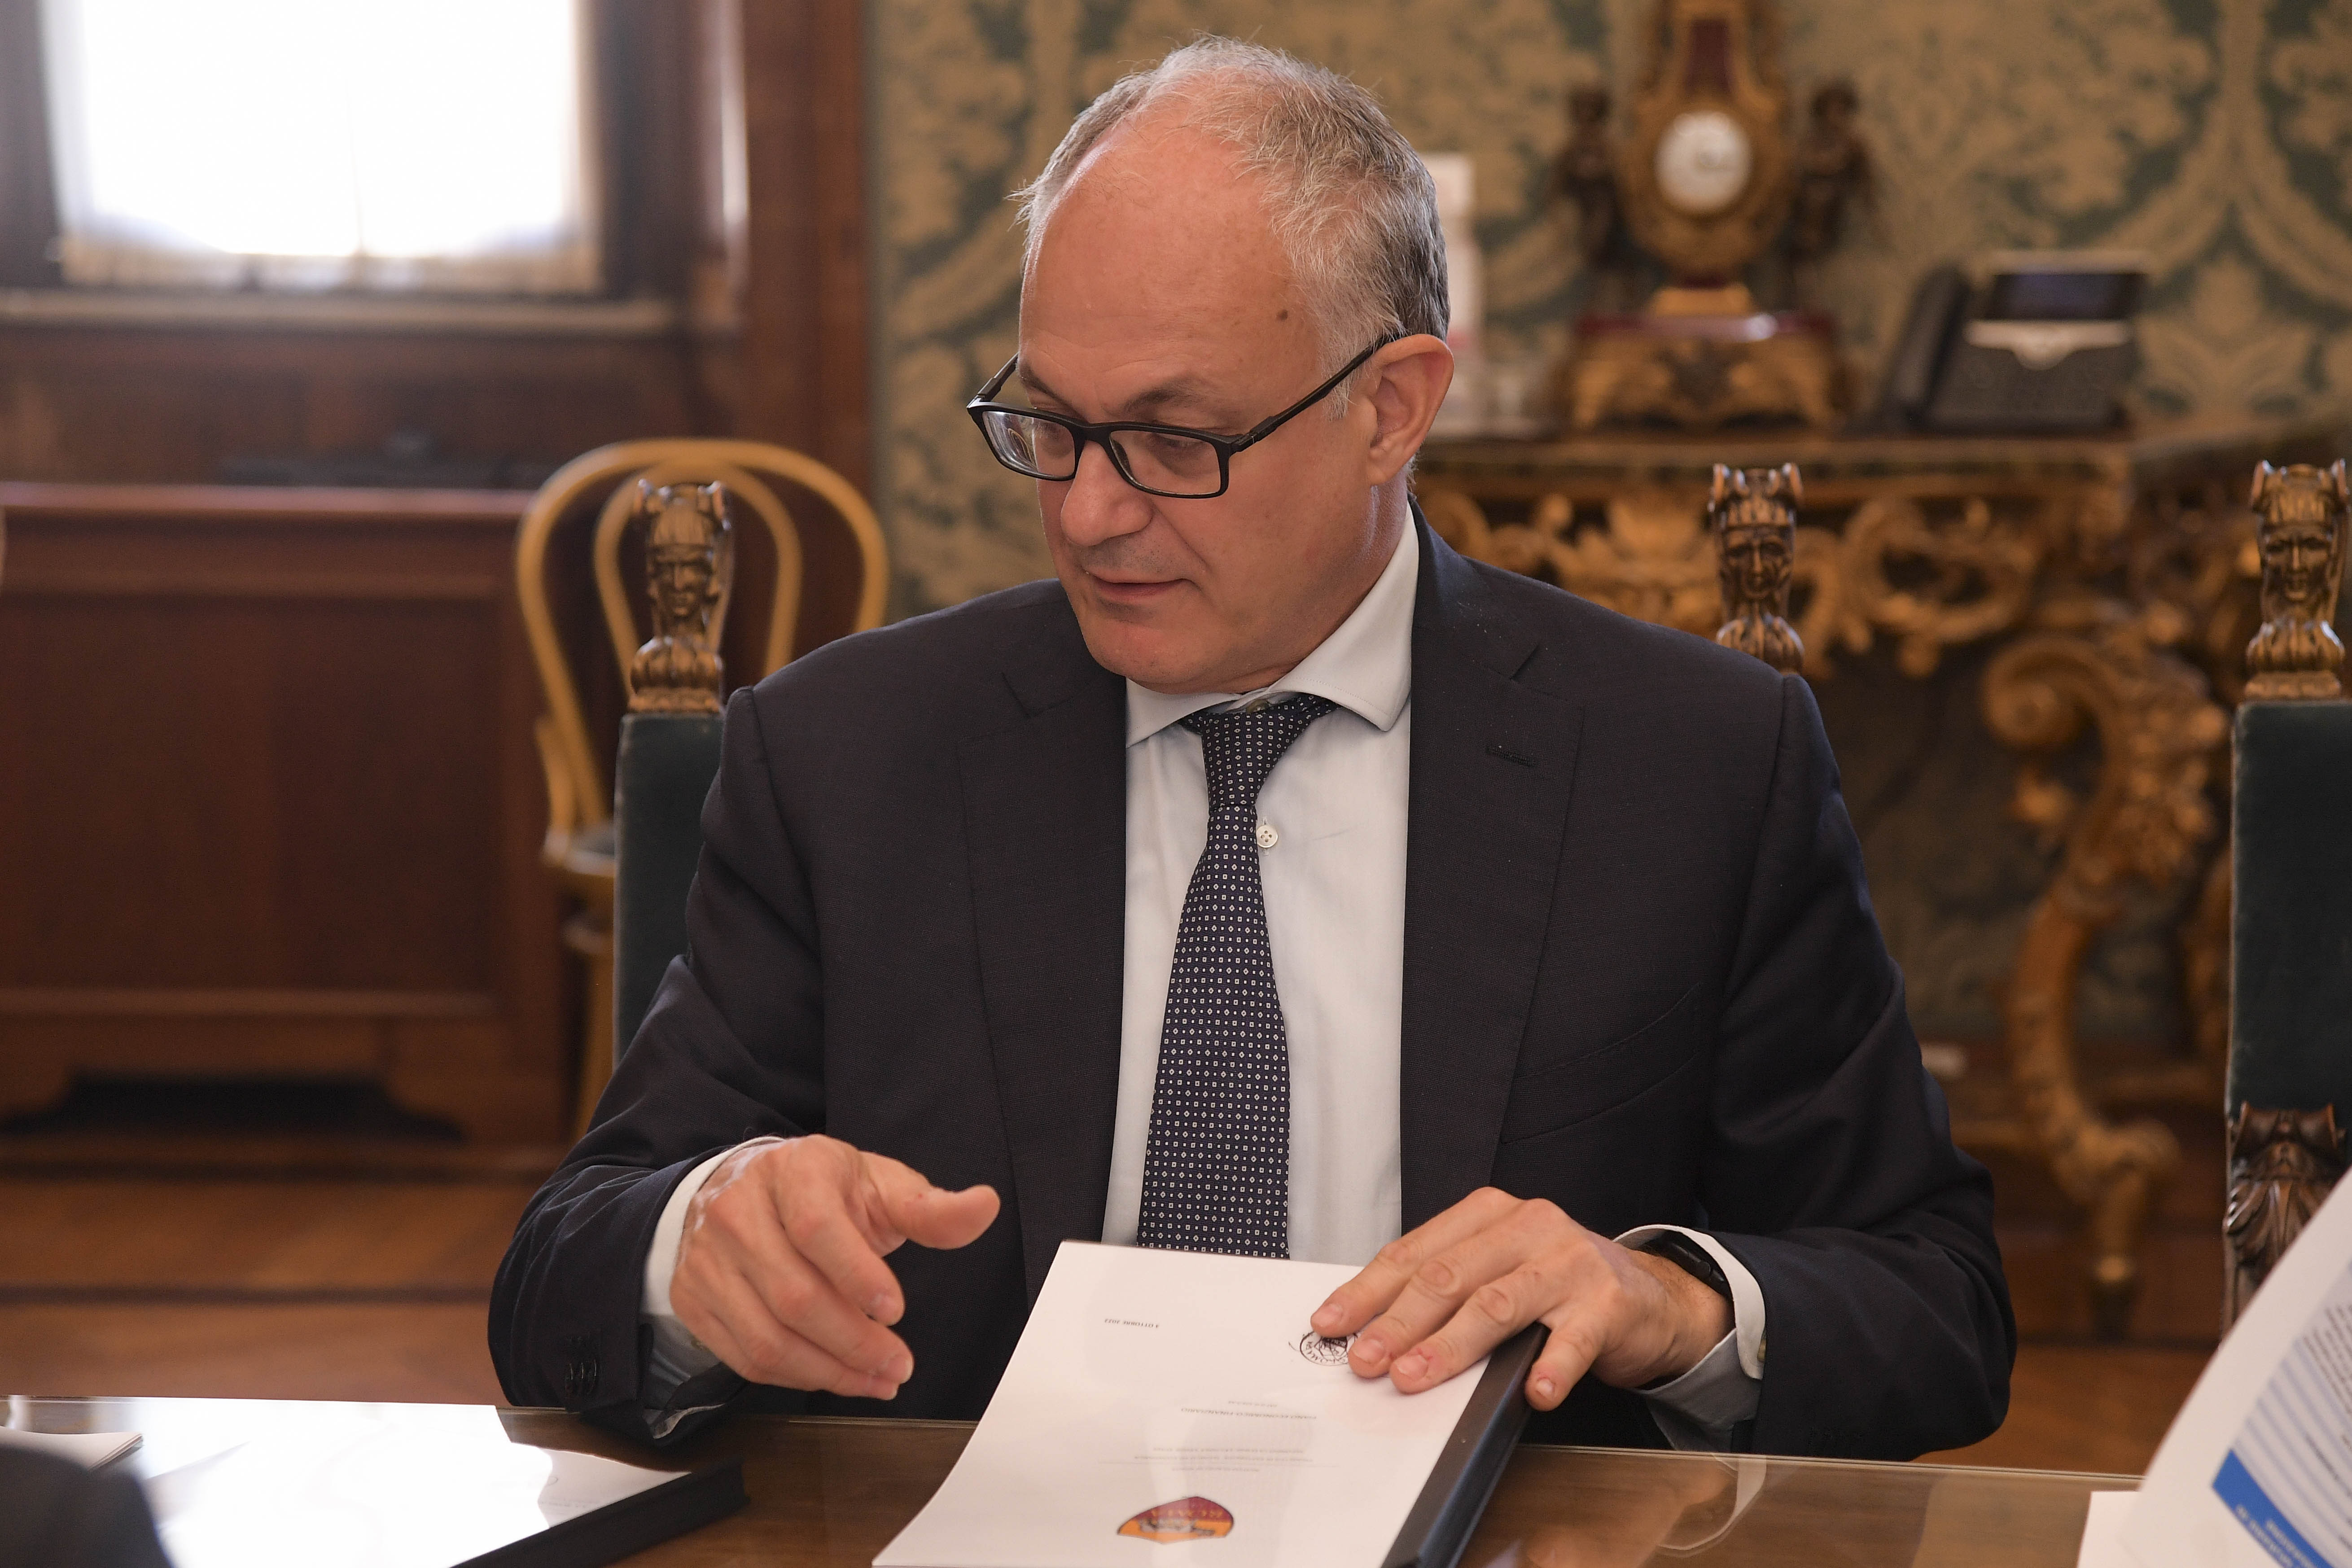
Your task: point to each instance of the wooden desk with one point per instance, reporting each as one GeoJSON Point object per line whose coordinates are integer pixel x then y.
{"type": "Point", "coordinates": [832, 1493]}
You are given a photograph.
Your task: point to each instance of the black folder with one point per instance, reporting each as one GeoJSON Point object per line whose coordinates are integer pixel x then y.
{"type": "Point", "coordinates": [1463, 1478]}
{"type": "Point", "coordinates": [630, 1525]}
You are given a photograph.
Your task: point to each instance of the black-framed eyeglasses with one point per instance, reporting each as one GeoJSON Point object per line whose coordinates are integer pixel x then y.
{"type": "Point", "coordinates": [1158, 459]}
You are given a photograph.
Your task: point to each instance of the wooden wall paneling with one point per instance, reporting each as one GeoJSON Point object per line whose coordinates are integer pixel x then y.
{"type": "Point", "coordinates": [269, 802]}
{"type": "Point", "coordinates": [101, 404]}
{"type": "Point", "coordinates": [805, 350]}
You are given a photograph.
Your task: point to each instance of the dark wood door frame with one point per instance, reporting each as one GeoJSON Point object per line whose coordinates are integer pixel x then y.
{"type": "Point", "coordinates": [806, 344]}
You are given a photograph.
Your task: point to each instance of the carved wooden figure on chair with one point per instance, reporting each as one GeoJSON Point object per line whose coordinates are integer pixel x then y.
{"type": "Point", "coordinates": [2301, 536]}
{"type": "Point", "coordinates": [2283, 1165]}
{"type": "Point", "coordinates": [689, 549]}
{"type": "Point", "coordinates": [1752, 514]}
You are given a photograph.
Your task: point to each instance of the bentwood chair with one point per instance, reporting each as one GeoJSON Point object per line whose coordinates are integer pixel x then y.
{"type": "Point", "coordinates": [814, 572]}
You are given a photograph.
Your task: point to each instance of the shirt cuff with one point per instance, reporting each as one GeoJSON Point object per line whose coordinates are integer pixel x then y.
{"type": "Point", "coordinates": [1699, 1408]}
{"type": "Point", "coordinates": [675, 1356]}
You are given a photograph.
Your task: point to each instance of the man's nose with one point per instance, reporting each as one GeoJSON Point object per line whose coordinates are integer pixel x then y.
{"type": "Point", "coordinates": [1099, 504]}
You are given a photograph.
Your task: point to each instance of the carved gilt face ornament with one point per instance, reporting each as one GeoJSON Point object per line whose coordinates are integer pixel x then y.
{"type": "Point", "coordinates": [1753, 516]}
{"type": "Point", "coordinates": [687, 556]}
{"type": "Point", "coordinates": [2300, 532]}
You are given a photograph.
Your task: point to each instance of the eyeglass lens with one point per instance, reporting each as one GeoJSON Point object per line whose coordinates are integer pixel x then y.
{"type": "Point", "coordinates": [1171, 464]}
{"type": "Point", "coordinates": [1038, 447]}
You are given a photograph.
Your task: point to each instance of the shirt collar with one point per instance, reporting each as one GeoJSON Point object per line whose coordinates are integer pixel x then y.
{"type": "Point", "coordinates": [1365, 666]}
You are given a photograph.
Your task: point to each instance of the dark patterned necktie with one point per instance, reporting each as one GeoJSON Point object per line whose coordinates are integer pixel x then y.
{"type": "Point", "coordinates": [1216, 1164]}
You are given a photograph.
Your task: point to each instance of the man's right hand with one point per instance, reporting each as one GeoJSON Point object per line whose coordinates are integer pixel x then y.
{"type": "Point", "coordinates": [780, 1269]}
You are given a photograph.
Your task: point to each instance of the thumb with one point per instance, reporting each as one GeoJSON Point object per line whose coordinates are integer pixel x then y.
{"type": "Point", "coordinates": [908, 1204]}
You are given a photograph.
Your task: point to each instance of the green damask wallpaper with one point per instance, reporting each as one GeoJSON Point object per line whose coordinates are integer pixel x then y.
{"type": "Point", "coordinates": [2216, 134]}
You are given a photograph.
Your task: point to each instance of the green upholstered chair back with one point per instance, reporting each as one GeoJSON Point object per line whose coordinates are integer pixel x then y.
{"type": "Point", "coordinates": [663, 771]}
{"type": "Point", "coordinates": [2291, 993]}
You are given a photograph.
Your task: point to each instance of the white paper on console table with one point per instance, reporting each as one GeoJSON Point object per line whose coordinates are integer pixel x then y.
{"type": "Point", "coordinates": [1174, 1408]}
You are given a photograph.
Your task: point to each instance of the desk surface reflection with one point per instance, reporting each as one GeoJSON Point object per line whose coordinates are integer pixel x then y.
{"type": "Point", "coordinates": [833, 1492]}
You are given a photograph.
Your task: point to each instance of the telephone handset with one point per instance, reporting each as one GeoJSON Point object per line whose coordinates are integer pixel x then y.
{"type": "Point", "coordinates": [2032, 342]}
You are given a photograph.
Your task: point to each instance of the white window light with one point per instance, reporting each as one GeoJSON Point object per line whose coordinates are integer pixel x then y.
{"type": "Point", "coordinates": [380, 145]}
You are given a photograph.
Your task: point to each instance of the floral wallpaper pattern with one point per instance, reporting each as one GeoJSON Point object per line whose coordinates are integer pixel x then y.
{"type": "Point", "coordinates": [2214, 134]}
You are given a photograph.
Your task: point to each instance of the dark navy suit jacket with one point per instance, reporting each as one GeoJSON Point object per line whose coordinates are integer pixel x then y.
{"type": "Point", "coordinates": [1641, 979]}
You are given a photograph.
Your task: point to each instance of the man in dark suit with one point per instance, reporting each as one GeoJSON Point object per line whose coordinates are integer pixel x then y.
{"type": "Point", "coordinates": [1278, 881]}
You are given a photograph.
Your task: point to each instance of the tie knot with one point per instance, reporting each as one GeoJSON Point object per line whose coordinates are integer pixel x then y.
{"type": "Point", "coordinates": [1240, 746]}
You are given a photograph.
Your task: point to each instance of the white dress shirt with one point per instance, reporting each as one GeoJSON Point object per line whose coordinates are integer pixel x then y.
{"type": "Point", "coordinates": [1333, 873]}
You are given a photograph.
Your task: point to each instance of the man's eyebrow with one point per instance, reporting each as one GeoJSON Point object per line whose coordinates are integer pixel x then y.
{"type": "Point", "coordinates": [1176, 389]}
{"type": "Point", "coordinates": [1035, 383]}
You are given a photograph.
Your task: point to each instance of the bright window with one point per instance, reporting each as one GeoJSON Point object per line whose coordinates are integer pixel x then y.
{"type": "Point", "coordinates": [387, 144]}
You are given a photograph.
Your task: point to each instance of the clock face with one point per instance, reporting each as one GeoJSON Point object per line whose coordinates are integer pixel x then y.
{"type": "Point", "coordinates": [1703, 161]}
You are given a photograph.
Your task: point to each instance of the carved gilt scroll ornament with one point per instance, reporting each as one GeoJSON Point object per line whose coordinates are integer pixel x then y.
{"type": "Point", "coordinates": [2144, 819]}
{"type": "Point", "coordinates": [1752, 514]}
{"type": "Point", "coordinates": [2301, 511]}
{"type": "Point", "coordinates": [1928, 579]}
{"type": "Point", "coordinates": [690, 554]}
{"type": "Point", "coordinates": [2283, 1165]}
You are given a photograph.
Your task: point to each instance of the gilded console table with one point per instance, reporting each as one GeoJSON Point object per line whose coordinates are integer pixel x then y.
{"type": "Point", "coordinates": [2115, 578]}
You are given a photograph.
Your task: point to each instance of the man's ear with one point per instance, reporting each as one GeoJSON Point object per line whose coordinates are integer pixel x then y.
{"type": "Point", "coordinates": [1410, 379]}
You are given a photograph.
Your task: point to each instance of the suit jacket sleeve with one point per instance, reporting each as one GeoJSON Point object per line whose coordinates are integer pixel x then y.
{"type": "Point", "coordinates": [1831, 1173]}
{"type": "Point", "coordinates": [730, 1049]}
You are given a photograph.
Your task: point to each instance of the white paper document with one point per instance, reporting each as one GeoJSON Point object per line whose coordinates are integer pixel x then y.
{"type": "Point", "coordinates": [2103, 1531]}
{"type": "Point", "coordinates": [1174, 1408]}
{"type": "Point", "coordinates": [2257, 1468]}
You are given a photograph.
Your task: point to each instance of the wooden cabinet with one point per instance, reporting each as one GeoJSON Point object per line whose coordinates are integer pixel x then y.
{"type": "Point", "coordinates": [269, 801]}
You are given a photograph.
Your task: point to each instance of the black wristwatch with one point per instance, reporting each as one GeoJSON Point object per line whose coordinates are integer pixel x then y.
{"type": "Point", "coordinates": [1690, 1258]}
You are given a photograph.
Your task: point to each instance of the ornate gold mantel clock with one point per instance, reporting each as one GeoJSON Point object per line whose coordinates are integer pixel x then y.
{"type": "Point", "coordinates": [1704, 181]}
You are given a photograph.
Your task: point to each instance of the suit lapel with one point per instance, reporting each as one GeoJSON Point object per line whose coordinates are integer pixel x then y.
{"type": "Point", "coordinates": [1493, 763]}
{"type": "Point", "coordinates": [1046, 824]}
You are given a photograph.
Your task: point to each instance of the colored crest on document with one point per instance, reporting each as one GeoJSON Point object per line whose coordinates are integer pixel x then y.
{"type": "Point", "coordinates": [1186, 1518]}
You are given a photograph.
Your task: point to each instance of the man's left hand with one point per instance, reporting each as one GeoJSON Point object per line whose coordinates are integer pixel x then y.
{"type": "Point", "coordinates": [1438, 1297]}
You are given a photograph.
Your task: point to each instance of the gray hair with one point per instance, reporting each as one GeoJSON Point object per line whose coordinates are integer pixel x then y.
{"type": "Point", "coordinates": [1352, 205]}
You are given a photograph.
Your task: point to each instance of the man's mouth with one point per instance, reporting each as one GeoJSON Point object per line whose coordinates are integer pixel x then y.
{"type": "Point", "coordinates": [1122, 590]}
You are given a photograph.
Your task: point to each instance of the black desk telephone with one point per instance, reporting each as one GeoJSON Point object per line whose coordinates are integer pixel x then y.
{"type": "Point", "coordinates": [2030, 342]}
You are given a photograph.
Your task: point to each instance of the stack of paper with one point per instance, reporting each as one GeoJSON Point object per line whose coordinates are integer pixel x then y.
{"type": "Point", "coordinates": [1159, 1401]}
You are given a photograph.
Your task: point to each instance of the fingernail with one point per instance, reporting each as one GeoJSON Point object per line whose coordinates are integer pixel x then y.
{"type": "Point", "coordinates": [1542, 1388]}
{"type": "Point", "coordinates": [878, 1307]}
{"type": "Point", "coordinates": [881, 1388]}
{"type": "Point", "coordinates": [1327, 1315]}
{"type": "Point", "coordinates": [1371, 1349]}
{"type": "Point", "coordinates": [1412, 1364]}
